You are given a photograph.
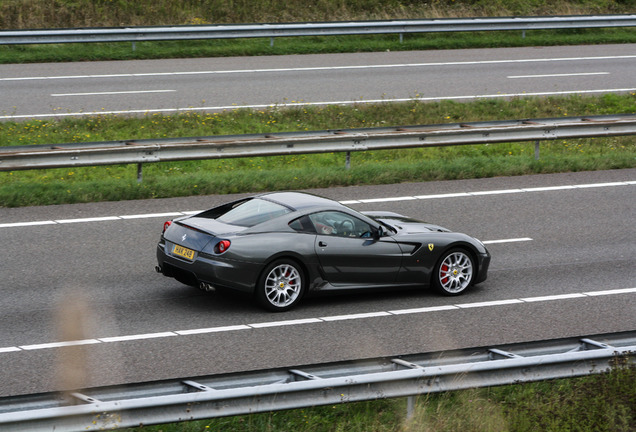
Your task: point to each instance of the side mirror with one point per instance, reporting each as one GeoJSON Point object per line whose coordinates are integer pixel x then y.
{"type": "Point", "coordinates": [378, 232]}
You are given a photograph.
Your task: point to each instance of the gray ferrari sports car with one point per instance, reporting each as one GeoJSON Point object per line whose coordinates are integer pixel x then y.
{"type": "Point", "coordinates": [280, 246]}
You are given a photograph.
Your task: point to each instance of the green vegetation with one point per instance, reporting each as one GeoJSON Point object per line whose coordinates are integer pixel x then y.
{"type": "Point", "coordinates": [169, 179]}
{"type": "Point", "coordinates": [29, 14]}
{"type": "Point", "coordinates": [16, 14]}
{"type": "Point", "coordinates": [599, 403]}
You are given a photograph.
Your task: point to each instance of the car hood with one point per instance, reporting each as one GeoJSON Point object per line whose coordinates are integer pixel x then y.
{"type": "Point", "coordinates": [405, 225]}
{"type": "Point", "coordinates": [412, 227]}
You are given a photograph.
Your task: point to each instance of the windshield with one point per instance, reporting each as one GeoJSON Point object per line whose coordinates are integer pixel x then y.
{"type": "Point", "coordinates": [253, 212]}
{"type": "Point", "coordinates": [388, 227]}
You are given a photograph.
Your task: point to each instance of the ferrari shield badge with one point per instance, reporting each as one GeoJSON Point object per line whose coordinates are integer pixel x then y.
{"type": "Point", "coordinates": [431, 246]}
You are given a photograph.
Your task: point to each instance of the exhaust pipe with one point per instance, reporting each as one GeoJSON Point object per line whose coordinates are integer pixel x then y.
{"type": "Point", "coordinates": [158, 269]}
{"type": "Point", "coordinates": [206, 287]}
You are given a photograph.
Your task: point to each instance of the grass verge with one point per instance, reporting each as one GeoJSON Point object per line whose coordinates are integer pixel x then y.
{"type": "Point", "coordinates": [599, 403]}
{"type": "Point", "coordinates": [170, 179]}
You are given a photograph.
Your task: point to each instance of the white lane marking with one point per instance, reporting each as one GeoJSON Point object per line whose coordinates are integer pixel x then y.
{"type": "Point", "coordinates": [138, 337]}
{"type": "Point", "coordinates": [336, 318]}
{"type": "Point", "coordinates": [557, 75]}
{"type": "Point", "coordinates": [611, 184]}
{"type": "Point", "coordinates": [83, 220]}
{"type": "Point", "coordinates": [423, 310]}
{"type": "Point", "coordinates": [59, 344]}
{"type": "Point", "coordinates": [321, 68]}
{"type": "Point", "coordinates": [302, 104]}
{"type": "Point", "coordinates": [153, 215]}
{"type": "Point", "coordinates": [553, 297]}
{"type": "Point", "coordinates": [375, 200]}
{"type": "Point", "coordinates": [497, 192]}
{"type": "Point", "coordinates": [489, 303]}
{"type": "Point", "coordinates": [286, 323]}
{"type": "Point", "coordinates": [26, 224]}
{"type": "Point", "coordinates": [548, 188]}
{"type": "Point", "coordinates": [448, 195]}
{"type": "Point", "coordinates": [212, 330]}
{"type": "Point", "coordinates": [112, 93]}
{"type": "Point", "coordinates": [512, 240]}
{"type": "Point", "coordinates": [609, 292]}
{"type": "Point", "coordinates": [355, 316]}
{"type": "Point", "coordinates": [346, 202]}
{"type": "Point", "coordinates": [96, 219]}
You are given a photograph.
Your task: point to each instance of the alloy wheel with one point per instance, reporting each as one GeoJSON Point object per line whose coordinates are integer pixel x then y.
{"type": "Point", "coordinates": [283, 285]}
{"type": "Point", "coordinates": [455, 272]}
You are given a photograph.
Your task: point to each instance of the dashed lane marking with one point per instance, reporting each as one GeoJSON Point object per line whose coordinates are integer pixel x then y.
{"type": "Point", "coordinates": [557, 75]}
{"type": "Point", "coordinates": [111, 93]}
{"type": "Point", "coordinates": [219, 108]}
{"type": "Point", "coordinates": [346, 202]}
{"type": "Point", "coordinates": [327, 68]}
{"type": "Point", "coordinates": [321, 320]}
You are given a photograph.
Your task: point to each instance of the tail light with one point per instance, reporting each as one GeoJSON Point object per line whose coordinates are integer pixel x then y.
{"type": "Point", "coordinates": [166, 225]}
{"type": "Point", "coordinates": [222, 246]}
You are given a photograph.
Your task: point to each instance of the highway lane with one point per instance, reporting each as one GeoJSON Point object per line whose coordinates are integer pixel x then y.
{"type": "Point", "coordinates": [214, 84]}
{"type": "Point", "coordinates": [583, 244]}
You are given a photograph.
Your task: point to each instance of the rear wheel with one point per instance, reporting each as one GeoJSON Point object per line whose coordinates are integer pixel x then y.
{"type": "Point", "coordinates": [454, 272]}
{"type": "Point", "coordinates": [281, 285]}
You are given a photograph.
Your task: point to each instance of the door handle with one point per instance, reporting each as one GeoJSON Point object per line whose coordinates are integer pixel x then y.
{"type": "Point", "coordinates": [322, 244]}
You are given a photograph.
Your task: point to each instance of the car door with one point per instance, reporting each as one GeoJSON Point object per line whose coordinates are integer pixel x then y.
{"type": "Point", "coordinates": [349, 254]}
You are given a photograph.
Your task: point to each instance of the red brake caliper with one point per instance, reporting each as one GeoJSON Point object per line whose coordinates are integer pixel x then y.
{"type": "Point", "coordinates": [445, 271]}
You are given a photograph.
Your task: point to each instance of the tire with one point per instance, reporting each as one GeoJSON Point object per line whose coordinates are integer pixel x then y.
{"type": "Point", "coordinates": [454, 272]}
{"type": "Point", "coordinates": [281, 286]}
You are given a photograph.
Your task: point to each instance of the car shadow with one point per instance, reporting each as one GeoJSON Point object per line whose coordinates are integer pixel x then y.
{"type": "Point", "coordinates": [231, 302]}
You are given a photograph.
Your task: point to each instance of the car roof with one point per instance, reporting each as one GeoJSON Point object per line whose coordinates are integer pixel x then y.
{"type": "Point", "coordinates": [300, 200]}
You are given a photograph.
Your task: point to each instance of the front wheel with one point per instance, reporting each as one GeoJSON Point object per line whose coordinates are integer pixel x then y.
{"type": "Point", "coordinates": [281, 286]}
{"type": "Point", "coordinates": [454, 272]}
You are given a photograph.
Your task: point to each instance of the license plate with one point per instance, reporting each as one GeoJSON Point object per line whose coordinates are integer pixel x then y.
{"type": "Point", "coordinates": [183, 252]}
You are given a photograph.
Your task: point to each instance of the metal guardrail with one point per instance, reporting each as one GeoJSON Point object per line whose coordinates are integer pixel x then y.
{"type": "Point", "coordinates": [305, 386]}
{"type": "Point", "coordinates": [253, 145]}
{"type": "Point", "coordinates": [230, 31]}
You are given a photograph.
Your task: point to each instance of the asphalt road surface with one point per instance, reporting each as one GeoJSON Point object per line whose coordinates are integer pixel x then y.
{"type": "Point", "coordinates": [215, 84]}
{"type": "Point", "coordinates": [564, 264]}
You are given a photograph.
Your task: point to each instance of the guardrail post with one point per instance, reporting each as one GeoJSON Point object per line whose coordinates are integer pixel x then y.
{"type": "Point", "coordinates": [401, 37]}
{"type": "Point", "coordinates": [271, 42]}
{"type": "Point", "coordinates": [536, 150]}
{"type": "Point", "coordinates": [348, 161]}
{"type": "Point", "coordinates": [139, 172]}
{"type": "Point", "coordinates": [410, 407]}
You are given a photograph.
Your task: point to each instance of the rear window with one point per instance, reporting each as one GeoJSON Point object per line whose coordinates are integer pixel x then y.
{"type": "Point", "coordinates": [253, 212]}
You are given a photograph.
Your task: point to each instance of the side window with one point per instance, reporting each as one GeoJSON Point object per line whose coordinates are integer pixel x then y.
{"type": "Point", "coordinates": [302, 224]}
{"type": "Point", "coordinates": [339, 224]}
